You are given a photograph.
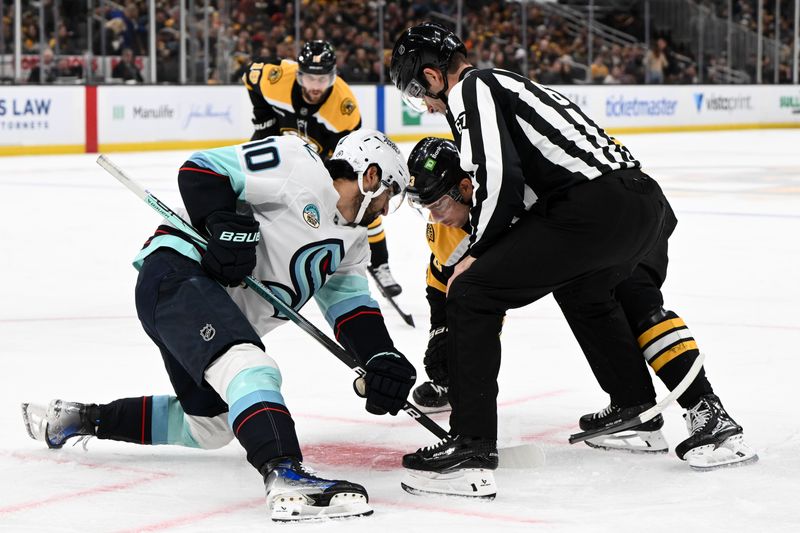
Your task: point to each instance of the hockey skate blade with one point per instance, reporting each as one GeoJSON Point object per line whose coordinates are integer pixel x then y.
{"type": "Point", "coordinates": [732, 452]}
{"type": "Point", "coordinates": [522, 457]}
{"type": "Point", "coordinates": [344, 505]}
{"type": "Point", "coordinates": [642, 442]}
{"type": "Point", "coordinates": [433, 410]}
{"type": "Point", "coordinates": [35, 418]}
{"type": "Point", "coordinates": [466, 483]}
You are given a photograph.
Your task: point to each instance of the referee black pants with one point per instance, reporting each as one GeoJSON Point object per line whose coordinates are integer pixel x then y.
{"type": "Point", "coordinates": [578, 246]}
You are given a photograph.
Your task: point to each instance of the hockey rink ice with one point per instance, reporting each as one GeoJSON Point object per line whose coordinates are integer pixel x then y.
{"type": "Point", "coordinates": [68, 329]}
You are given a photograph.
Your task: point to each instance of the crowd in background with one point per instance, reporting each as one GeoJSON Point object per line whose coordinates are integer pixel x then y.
{"type": "Point", "coordinates": [222, 43]}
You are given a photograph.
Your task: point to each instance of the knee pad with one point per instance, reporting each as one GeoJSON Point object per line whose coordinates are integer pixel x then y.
{"type": "Point", "coordinates": [209, 433]}
{"type": "Point", "coordinates": [663, 336]}
{"type": "Point", "coordinates": [244, 376]}
{"type": "Point", "coordinates": [239, 358]}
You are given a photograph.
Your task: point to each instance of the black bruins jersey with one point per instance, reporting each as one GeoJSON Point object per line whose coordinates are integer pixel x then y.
{"type": "Point", "coordinates": [279, 108]}
{"type": "Point", "coordinates": [448, 245]}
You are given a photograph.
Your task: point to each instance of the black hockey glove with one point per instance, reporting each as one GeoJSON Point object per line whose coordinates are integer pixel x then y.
{"type": "Point", "coordinates": [387, 383]}
{"type": "Point", "coordinates": [435, 360]}
{"type": "Point", "coordinates": [231, 253]}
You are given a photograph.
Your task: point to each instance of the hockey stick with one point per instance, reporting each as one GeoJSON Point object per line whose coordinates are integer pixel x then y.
{"type": "Point", "coordinates": [408, 319]}
{"type": "Point", "coordinates": [649, 414]}
{"type": "Point", "coordinates": [524, 456]}
{"type": "Point", "coordinates": [260, 289]}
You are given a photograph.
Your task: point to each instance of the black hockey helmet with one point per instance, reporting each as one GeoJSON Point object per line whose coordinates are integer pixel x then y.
{"type": "Point", "coordinates": [317, 57]}
{"type": "Point", "coordinates": [435, 171]}
{"type": "Point", "coordinates": [426, 45]}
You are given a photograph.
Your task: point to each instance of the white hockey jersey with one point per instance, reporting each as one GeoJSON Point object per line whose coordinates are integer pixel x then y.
{"type": "Point", "coordinates": [305, 249]}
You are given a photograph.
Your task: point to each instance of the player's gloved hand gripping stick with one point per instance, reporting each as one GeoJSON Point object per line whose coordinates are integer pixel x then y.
{"type": "Point", "coordinates": [523, 456]}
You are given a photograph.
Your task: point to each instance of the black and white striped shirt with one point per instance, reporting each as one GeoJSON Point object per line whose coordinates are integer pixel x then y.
{"type": "Point", "coordinates": [522, 142]}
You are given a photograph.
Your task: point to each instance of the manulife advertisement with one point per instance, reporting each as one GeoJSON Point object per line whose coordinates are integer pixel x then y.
{"type": "Point", "coordinates": [165, 116]}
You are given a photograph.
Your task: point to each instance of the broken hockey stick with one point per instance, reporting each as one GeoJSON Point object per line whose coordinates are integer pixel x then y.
{"type": "Point", "coordinates": [649, 414]}
{"type": "Point", "coordinates": [524, 456]}
{"type": "Point", "coordinates": [407, 318]}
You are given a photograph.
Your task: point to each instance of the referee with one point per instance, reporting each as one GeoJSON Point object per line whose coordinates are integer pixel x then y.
{"type": "Point", "coordinates": [558, 207]}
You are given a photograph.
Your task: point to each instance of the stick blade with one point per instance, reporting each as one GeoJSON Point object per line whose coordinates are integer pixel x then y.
{"type": "Point", "coordinates": [522, 457]}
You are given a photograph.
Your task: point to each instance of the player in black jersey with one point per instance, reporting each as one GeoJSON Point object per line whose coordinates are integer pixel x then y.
{"type": "Point", "coordinates": [556, 206]}
{"type": "Point", "coordinates": [307, 98]}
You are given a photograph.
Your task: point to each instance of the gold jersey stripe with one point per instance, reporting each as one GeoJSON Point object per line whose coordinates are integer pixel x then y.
{"type": "Point", "coordinates": [444, 241]}
{"type": "Point", "coordinates": [660, 328]}
{"type": "Point", "coordinates": [435, 283]}
{"type": "Point", "coordinates": [376, 238]}
{"type": "Point", "coordinates": [672, 353]}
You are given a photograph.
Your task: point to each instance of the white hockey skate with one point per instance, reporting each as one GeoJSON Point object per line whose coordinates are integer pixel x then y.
{"type": "Point", "coordinates": [456, 466]}
{"type": "Point", "coordinates": [294, 494]}
{"type": "Point", "coordinates": [715, 439]}
{"type": "Point", "coordinates": [464, 482]}
{"type": "Point", "coordinates": [60, 421]}
{"type": "Point", "coordinates": [631, 441]}
{"type": "Point", "coordinates": [645, 438]}
{"type": "Point", "coordinates": [383, 276]}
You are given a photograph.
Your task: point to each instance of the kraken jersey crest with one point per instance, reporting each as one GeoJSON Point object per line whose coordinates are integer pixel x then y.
{"type": "Point", "coordinates": [311, 215]}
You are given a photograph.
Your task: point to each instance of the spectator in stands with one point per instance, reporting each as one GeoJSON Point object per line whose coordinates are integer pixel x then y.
{"type": "Point", "coordinates": [632, 65]}
{"type": "Point", "coordinates": [357, 68]}
{"type": "Point", "coordinates": [66, 72]}
{"type": "Point", "coordinates": [167, 67]}
{"type": "Point", "coordinates": [490, 31]}
{"type": "Point", "coordinates": [555, 73]}
{"type": "Point", "coordinates": [614, 76]}
{"type": "Point", "coordinates": [688, 76]}
{"type": "Point", "coordinates": [655, 62]}
{"type": "Point", "coordinates": [67, 43]}
{"type": "Point", "coordinates": [485, 60]}
{"type": "Point", "coordinates": [30, 43]}
{"type": "Point", "coordinates": [114, 38]}
{"type": "Point", "coordinates": [130, 18]}
{"type": "Point", "coordinates": [599, 70]}
{"type": "Point", "coordinates": [46, 71]}
{"type": "Point", "coordinates": [126, 69]}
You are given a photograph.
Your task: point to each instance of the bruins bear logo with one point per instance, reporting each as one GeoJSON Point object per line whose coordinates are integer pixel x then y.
{"type": "Point", "coordinates": [275, 74]}
{"type": "Point", "coordinates": [348, 106]}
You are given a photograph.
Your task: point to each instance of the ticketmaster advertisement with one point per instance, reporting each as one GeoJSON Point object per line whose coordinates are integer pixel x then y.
{"type": "Point", "coordinates": [52, 118]}
{"type": "Point", "coordinates": [642, 108]}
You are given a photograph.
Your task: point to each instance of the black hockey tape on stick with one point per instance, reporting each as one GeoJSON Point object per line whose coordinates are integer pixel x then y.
{"type": "Point", "coordinates": [649, 413]}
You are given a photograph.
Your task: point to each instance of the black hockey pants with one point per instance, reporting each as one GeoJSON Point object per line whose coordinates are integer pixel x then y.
{"type": "Point", "coordinates": [640, 296]}
{"type": "Point", "coordinates": [579, 247]}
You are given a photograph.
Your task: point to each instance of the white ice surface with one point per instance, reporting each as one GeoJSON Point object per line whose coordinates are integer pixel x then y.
{"type": "Point", "coordinates": [68, 330]}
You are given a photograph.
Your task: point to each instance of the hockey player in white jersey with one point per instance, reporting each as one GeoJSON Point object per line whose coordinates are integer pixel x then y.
{"type": "Point", "coordinates": [274, 209]}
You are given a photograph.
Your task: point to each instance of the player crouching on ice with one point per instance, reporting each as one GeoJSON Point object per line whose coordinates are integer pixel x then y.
{"type": "Point", "coordinates": [273, 208]}
{"type": "Point", "coordinates": [443, 192]}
